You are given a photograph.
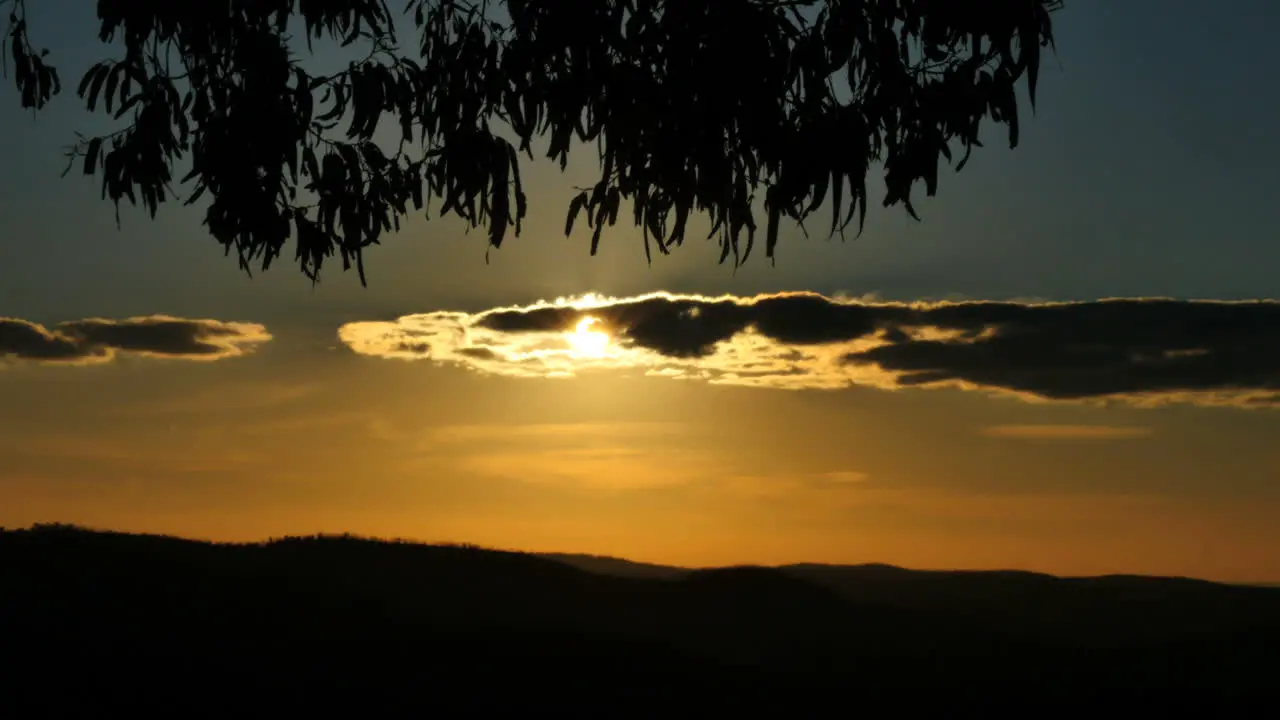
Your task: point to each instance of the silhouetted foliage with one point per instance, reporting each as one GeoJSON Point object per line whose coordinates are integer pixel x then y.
{"type": "Point", "coordinates": [116, 625]}
{"type": "Point", "coordinates": [715, 106]}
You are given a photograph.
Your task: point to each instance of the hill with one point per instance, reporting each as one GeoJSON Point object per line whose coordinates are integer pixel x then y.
{"type": "Point", "coordinates": [1088, 611]}
{"type": "Point", "coordinates": [140, 626]}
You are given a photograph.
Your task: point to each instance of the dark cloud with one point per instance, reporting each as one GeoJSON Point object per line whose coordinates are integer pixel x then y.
{"type": "Point", "coordinates": [691, 327]}
{"type": "Point", "coordinates": [413, 348]}
{"type": "Point", "coordinates": [479, 353]}
{"type": "Point", "coordinates": [1136, 350]}
{"type": "Point", "coordinates": [98, 339]}
{"type": "Point", "coordinates": [1090, 350]}
{"type": "Point", "coordinates": [29, 341]}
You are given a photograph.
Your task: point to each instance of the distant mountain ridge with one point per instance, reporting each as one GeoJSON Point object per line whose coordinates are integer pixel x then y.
{"type": "Point", "coordinates": [1062, 609]}
{"type": "Point", "coordinates": [355, 626]}
{"type": "Point", "coordinates": [620, 567]}
{"type": "Point", "coordinates": [612, 565]}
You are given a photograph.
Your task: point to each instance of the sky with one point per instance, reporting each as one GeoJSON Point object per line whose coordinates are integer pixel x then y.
{"type": "Point", "coordinates": [996, 386]}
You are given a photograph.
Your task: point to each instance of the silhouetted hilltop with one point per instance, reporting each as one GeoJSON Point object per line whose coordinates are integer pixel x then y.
{"type": "Point", "coordinates": [606, 565]}
{"type": "Point", "coordinates": [1108, 610]}
{"type": "Point", "coordinates": [1103, 610]}
{"type": "Point", "coordinates": [133, 625]}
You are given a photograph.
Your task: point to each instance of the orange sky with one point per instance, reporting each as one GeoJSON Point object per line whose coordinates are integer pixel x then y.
{"type": "Point", "coordinates": [756, 448]}
{"type": "Point", "coordinates": [295, 438]}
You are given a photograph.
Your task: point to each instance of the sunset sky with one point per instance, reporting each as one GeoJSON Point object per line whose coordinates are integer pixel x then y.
{"type": "Point", "coordinates": [993, 387]}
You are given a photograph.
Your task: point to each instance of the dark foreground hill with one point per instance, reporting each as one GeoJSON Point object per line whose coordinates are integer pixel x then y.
{"type": "Point", "coordinates": [113, 625]}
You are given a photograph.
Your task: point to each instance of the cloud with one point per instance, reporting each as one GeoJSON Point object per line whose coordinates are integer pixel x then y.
{"type": "Point", "coordinates": [1067, 432]}
{"type": "Point", "coordinates": [129, 453]}
{"type": "Point", "coordinates": [550, 432]}
{"type": "Point", "coordinates": [595, 456]}
{"type": "Point", "coordinates": [829, 489]}
{"type": "Point", "coordinates": [96, 340]}
{"type": "Point", "coordinates": [1143, 351]}
{"type": "Point", "coordinates": [842, 477]}
{"type": "Point", "coordinates": [605, 467]}
{"type": "Point", "coordinates": [223, 397]}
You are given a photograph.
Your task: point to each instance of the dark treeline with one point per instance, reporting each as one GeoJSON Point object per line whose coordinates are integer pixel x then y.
{"type": "Point", "coordinates": [113, 625]}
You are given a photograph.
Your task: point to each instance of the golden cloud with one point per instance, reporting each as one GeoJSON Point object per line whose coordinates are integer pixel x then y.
{"type": "Point", "coordinates": [550, 432]}
{"type": "Point", "coordinates": [1067, 432]}
{"type": "Point", "coordinates": [606, 467]}
{"type": "Point", "coordinates": [1140, 351]}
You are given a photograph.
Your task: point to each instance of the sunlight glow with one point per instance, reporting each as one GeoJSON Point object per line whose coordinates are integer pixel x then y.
{"type": "Point", "coordinates": [585, 342]}
{"type": "Point", "coordinates": [787, 340]}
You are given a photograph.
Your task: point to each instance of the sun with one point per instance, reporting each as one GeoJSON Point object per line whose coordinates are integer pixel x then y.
{"type": "Point", "coordinates": [585, 342]}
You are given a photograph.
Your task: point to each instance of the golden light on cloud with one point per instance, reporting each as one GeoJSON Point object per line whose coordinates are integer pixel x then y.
{"type": "Point", "coordinates": [1067, 432]}
{"type": "Point", "coordinates": [1140, 351]}
{"type": "Point", "coordinates": [829, 489]}
{"type": "Point", "coordinates": [605, 467]}
{"type": "Point", "coordinates": [609, 456]}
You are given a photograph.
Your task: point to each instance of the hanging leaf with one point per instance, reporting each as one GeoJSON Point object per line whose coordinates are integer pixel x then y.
{"type": "Point", "coordinates": [689, 108]}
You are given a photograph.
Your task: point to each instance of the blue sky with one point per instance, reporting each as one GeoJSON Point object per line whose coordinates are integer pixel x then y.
{"type": "Point", "coordinates": [1146, 171]}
